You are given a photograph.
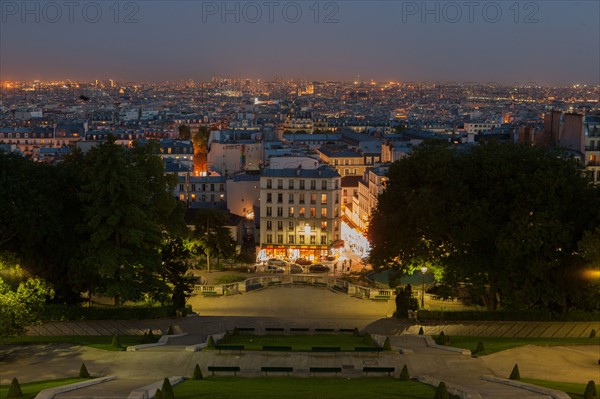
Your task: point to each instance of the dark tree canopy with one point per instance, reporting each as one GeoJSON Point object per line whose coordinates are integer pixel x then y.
{"type": "Point", "coordinates": [502, 219]}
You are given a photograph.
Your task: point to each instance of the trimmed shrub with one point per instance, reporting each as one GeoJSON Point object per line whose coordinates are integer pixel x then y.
{"type": "Point", "coordinates": [170, 332]}
{"type": "Point", "coordinates": [197, 373]}
{"type": "Point", "coordinates": [14, 391]}
{"type": "Point", "coordinates": [167, 390]}
{"type": "Point", "coordinates": [514, 374]}
{"type": "Point", "coordinates": [356, 332]}
{"type": "Point", "coordinates": [593, 333]}
{"type": "Point", "coordinates": [387, 345]}
{"type": "Point", "coordinates": [441, 392]}
{"type": "Point", "coordinates": [367, 339]}
{"type": "Point", "coordinates": [404, 376]}
{"type": "Point", "coordinates": [506, 315]}
{"type": "Point", "coordinates": [211, 342]}
{"type": "Point", "coordinates": [442, 339]}
{"type": "Point", "coordinates": [158, 394]}
{"type": "Point", "coordinates": [480, 348]}
{"type": "Point", "coordinates": [64, 312]}
{"type": "Point", "coordinates": [116, 343]}
{"type": "Point", "coordinates": [421, 332]}
{"type": "Point", "coordinates": [83, 373]}
{"type": "Point", "coordinates": [590, 391]}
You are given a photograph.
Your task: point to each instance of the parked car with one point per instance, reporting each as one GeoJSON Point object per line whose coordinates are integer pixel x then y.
{"type": "Point", "coordinates": [303, 262]}
{"type": "Point", "coordinates": [274, 269]}
{"type": "Point", "coordinates": [276, 262]}
{"type": "Point", "coordinates": [296, 269]}
{"type": "Point", "coordinates": [318, 268]}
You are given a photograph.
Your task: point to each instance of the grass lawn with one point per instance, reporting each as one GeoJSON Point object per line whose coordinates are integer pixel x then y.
{"type": "Point", "coordinates": [301, 388]}
{"type": "Point", "coordinates": [31, 389]}
{"type": "Point", "coordinates": [574, 390]}
{"type": "Point", "coordinates": [497, 344]}
{"type": "Point", "coordinates": [95, 341]}
{"type": "Point", "coordinates": [298, 343]}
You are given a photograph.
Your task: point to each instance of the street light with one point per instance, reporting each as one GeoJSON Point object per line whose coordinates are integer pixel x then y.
{"type": "Point", "coordinates": [423, 270]}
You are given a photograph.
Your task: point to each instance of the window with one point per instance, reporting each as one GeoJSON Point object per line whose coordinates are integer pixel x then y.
{"type": "Point", "coordinates": [193, 187]}
{"type": "Point", "coordinates": [269, 183]}
{"type": "Point", "coordinates": [313, 198]}
{"type": "Point", "coordinates": [323, 212]}
{"type": "Point", "coordinates": [302, 211]}
{"type": "Point", "coordinates": [335, 226]}
{"type": "Point", "coordinates": [323, 225]}
{"type": "Point", "coordinates": [194, 197]}
{"type": "Point", "coordinates": [212, 187]}
{"type": "Point", "coordinates": [280, 184]}
{"type": "Point", "coordinates": [301, 199]}
{"type": "Point", "coordinates": [290, 239]}
{"type": "Point", "coordinates": [337, 184]}
{"type": "Point", "coordinates": [323, 199]}
{"type": "Point", "coordinates": [269, 238]}
{"type": "Point", "coordinates": [345, 193]}
{"type": "Point", "coordinates": [269, 211]}
{"type": "Point", "coordinates": [221, 187]}
{"type": "Point", "coordinates": [313, 212]}
{"type": "Point", "coordinates": [323, 240]}
{"type": "Point", "coordinates": [280, 198]}
{"type": "Point", "coordinates": [291, 226]}
{"type": "Point", "coordinates": [280, 225]}
{"type": "Point", "coordinates": [291, 184]}
{"type": "Point", "coordinates": [203, 197]}
{"type": "Point", "coordinates": [279, 238]}
{"type": "Point", "coordinates": [324, 185]}
{"type": "Point", "coordinates": [181, 187]}
{"type": "Point", "coordinates": [337, 198]}
{"type": "Point", "coordinates": [291, 199]}
{"type": "Point", "coordinates": [313, 184]}
{"type": "Point", "coordinates": [291, 212]}
{"type": "Point", "coordinates": [301, 184]}
{"type": "Point", "coordinates": [313, 239]}
{"type": "Point", "coordinates": [269, 198]}
{"type": "Point", "coordinates": [301, 239]}
{"type": "Point", "coordinates": [279, 211]}
{"type": "Point", "coordinates": [269, 225]}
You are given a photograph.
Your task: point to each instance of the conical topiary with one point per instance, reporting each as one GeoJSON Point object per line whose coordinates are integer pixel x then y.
{"type": "Point", "coordinates": [167, 390]}
{"type": "Point", "coordinates": [83, 373]}
{"type": "Point", "coordinates": [211, 342]}
{"type": "Point", "coordinates": [14, 391]}
{"type": "Point", "coordinates": [356, 332]}
{"type": "Point", "coordinates": [421, 332]}
{"type": "Point", "coordinates": [116, 343]}
{"type": "Point", "coordinates": [150, 334]}
{"type": "Point", "coordinates": [590, 391]}
{"type": "Point", "coordinates": [387, 345]}
{"type": "Point", "coordinates": [593, 333]}
{"type": "Point", "coordinates": [441, 392]}
{"type": "Point", "coordinates": [514, 374]}
{"type": "Point", "coordinates": [480, 348]}
{"type": "Point", "coordinates": [443, 339]}
{"type": "Point", "coordinates": [197, 373]}
{"type": "Point", "coordinates": [404, 376]}
{"type": "Point", "coordinates": [158, 394]}
{"type": "Point", "coordinates": [367, 339]}
{"type": "Point", "coordinates": [170, 332]}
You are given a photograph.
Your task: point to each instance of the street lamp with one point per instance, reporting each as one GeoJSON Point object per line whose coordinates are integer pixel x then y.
{"type": "Point", "coordinates": [423, 270]}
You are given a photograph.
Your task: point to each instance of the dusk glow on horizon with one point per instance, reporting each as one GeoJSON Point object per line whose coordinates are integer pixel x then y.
{"type": "Point", "coordinates": [543, 42]}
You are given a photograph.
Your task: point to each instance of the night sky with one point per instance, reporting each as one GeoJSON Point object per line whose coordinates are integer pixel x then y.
{"type": "Point", "coordinates": [545, 42]}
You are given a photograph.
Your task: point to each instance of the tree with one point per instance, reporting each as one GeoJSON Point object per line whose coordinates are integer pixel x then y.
{"type": "Point", "coordinates": [211, 235]}
{"type": "Point", "coordinates": [174, 262]}
{"type": "Point", "coordinates": [200, 139]}
{"type": "Point", "coordinates": [124, 231]}
{"type": "Point", "coordinates": [22, 297]}
{"type": "Point", "coordinates": [503, 220]}
{"type": "Point", "coordinates": [185, 132]}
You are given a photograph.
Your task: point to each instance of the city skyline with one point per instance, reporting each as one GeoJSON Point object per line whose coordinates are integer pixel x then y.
{"type": "Point", "coordinates": [485, 42]}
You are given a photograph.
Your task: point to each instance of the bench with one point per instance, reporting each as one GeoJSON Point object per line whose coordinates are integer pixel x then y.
{"type": "Point", "coordinates": [209, 293]}
{"type": "Point", "coordinates": [274, 329]}
{"type": "Point", "coordinates": [369, 349]}
{"type": "Point", "coordinates": [328, 330]}
{"type": "Point", "coordinates": [298, 329]}
{"type": "Point", "coordinates": [335, 370]}
{"type": "Point", "coordinates": [287, 370]}
{"type": "Point", "coordinates": [326, 349]}
{"type": "Point", "coordinates": [239, 348]}
{"type": "Point", "coordinates": [388, 370]}
{"type": "Point", "coordinates": [241, 330]}
{"type": "Point", "coordinates": [380, 298]}
{"type": "Point", "coordinates": [234, 369]}
{"type": "Point", "coordinates": [277, 348]}
{"type": "Point", "coordinates": [347, 330]}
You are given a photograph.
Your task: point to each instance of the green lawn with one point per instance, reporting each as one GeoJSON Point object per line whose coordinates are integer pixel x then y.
{"type": "Point", "coordinates": [573, 389]}
{"type": "Point", "coordinates": [31, 389]}
{"type": "Point", "coordinates": [95, 341]}
{"type": "Point", "coordinates": [497, 344]}
{"type": "Point", "coordinates": [299, 343]}
{"type": "Point", "coordinates": [302, 388]}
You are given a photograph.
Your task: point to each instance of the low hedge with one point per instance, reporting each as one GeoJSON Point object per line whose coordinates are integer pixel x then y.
{"type": "Point", "coordinates": [64, 312]}
{"type": "Point", "coordinates": [503, 315]}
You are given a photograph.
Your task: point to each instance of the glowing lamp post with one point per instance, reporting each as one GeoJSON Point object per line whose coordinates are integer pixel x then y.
{"type": "Point", "coordinates": [423, 271]}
